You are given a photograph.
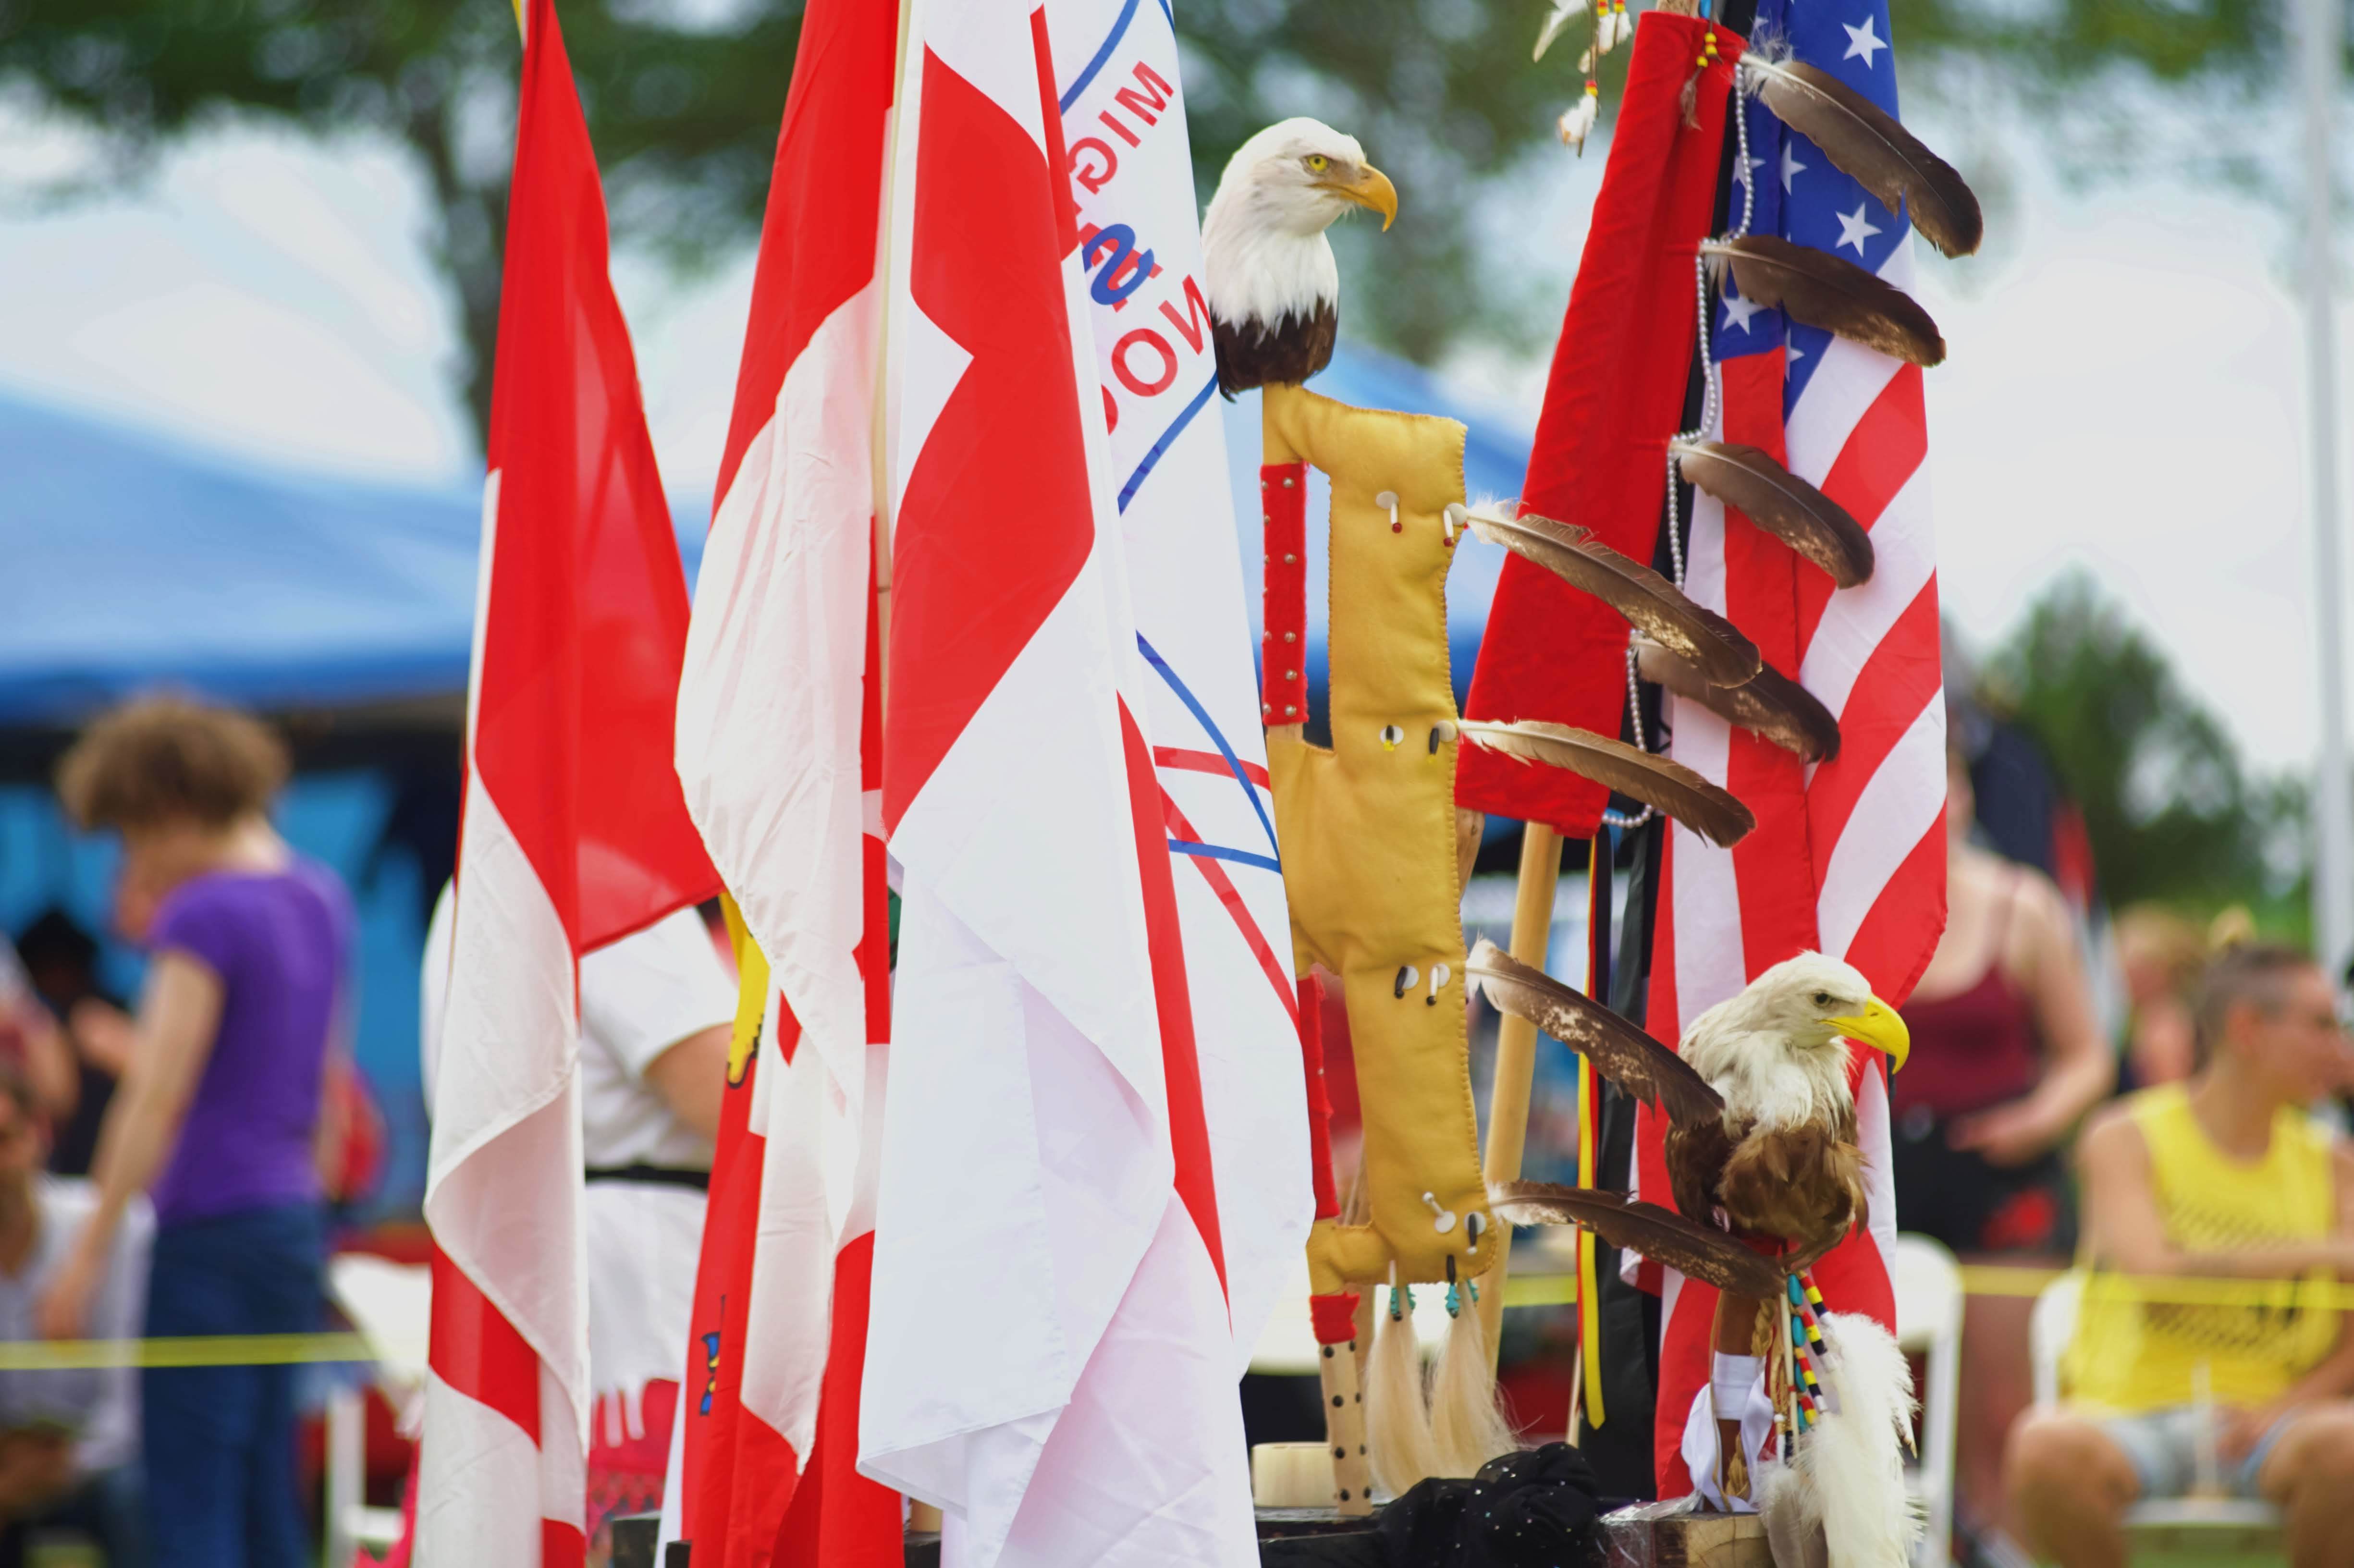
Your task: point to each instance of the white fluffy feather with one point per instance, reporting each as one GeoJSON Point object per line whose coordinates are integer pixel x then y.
{"type": "Point", "coordinates": [1768, 1050]}
{"type": "Point", "coordinates": [1848, 1478]}
{"type": "Point", "coordinates": [1264, 254]}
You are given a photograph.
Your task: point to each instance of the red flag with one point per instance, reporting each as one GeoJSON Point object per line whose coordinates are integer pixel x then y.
{"type": "Point", "coordinates": [1600, 457]}
{"type": "Point", "coordinates": [575, 834]}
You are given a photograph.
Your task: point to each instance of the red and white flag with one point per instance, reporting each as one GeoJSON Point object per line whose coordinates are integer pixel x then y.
{"type": "Point", "coordinates": [1048, 1271]}
{"type": "Point", "coordinates": [778, 747]}
{"type": "Point", "coordinates": [574, 835]}
{"type": "Point", "coordinates": [1849, 857]}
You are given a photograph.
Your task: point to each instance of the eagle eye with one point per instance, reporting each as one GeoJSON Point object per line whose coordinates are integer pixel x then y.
{"type": "Point", "coordinates": [1315, 162]}
{"type": "Point", "coordinates": [1822, 999]}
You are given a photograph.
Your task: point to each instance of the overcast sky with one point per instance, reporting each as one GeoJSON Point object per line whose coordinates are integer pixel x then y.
{"type": "Point", "coordinates": [2124, 392]}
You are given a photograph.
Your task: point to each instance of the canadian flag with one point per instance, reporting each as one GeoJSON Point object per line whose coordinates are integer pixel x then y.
{"type": "Point", "coordinates": [1050, 1270]}
{"type": "Point", "coordinates": [574, 835]}
{"type": "Point", "coordinates": [779, 749]}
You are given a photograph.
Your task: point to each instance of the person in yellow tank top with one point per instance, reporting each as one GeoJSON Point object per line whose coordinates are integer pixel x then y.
{"type": "Point", "coordinates": [2188, 1187]}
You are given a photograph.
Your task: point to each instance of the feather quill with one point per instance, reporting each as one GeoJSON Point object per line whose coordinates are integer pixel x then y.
{"type": "Point", "coordinates": [1831, 292]}
{"type": "Point", "coordinates": [1865, 142]}
{"type": "Point", "coordinates": [1619, 1052]}
{"type": "Point", "coordinates": [1627, 1223]}
{"type": "Point", "coordinates": [1670, 787]}
{"type": "Point", "coordinates": [1769, 703]}
{"type": "Point", "coordinates": [1650, 603]}
{"type": "Point", "coordinates": [1782, 503]}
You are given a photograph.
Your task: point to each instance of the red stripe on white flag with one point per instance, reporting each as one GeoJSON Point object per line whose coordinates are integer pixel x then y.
{"type": "Point", "coordinates": [567, 844]}
{"type": "Point", "coordinates": [1048, 1135]}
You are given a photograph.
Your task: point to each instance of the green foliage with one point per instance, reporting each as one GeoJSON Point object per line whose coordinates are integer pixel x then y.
{"type": "Point", "coordinates": [2171, 812]}
{"type": "Point", "coordinates": [684, 97]}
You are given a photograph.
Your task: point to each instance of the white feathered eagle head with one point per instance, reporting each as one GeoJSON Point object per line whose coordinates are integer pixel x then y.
{"type": "Point", "coordinates": [1266, 267]}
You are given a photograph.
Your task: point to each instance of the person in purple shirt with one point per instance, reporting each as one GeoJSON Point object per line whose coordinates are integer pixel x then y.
{"type": "Point", "coordinates": [217, 1112]}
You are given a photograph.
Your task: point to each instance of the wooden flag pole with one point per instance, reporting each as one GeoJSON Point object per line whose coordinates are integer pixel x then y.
{"type": "Point", "coordinates": [1516, 1054]}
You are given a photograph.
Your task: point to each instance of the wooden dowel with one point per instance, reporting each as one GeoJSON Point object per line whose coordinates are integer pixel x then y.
{"type": "Point", "coordinates": [1516, 1053]}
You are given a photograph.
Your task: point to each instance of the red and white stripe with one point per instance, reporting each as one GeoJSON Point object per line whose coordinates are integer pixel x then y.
{"type": "Point", "coordinates": [567, 844]}
{"type": "Point", "coordinates": [779, 749]}
{"type": "Point", "coordinates": [1048, 1269]}
{"type": "Point", "coordinates": [1849, 857]}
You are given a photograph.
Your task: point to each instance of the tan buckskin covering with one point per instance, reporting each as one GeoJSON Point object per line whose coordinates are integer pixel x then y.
{"type": "Point", "coordinates": [1369, 836]}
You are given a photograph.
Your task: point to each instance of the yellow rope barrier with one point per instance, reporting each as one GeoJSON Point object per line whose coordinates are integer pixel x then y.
{"type": "Point", "coordinates": [206, 1351]}
{"type": "Point", "coordinates": [1998, 1279]}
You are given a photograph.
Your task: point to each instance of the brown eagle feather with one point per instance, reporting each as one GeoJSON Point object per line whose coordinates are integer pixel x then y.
{"type": "Point", "coordinates": [1708, 810]}
{"type": "Point", "coordinates": [1650, 603]}
{"type": "Point", "coordinates": [1768, 703]}
{"type": "Point", "coordinates": [1831, 292]}
{"type": "Point", "coordinates": [1627, 1222]}
{"type": "Point", "coordinates": [1619, 1052]}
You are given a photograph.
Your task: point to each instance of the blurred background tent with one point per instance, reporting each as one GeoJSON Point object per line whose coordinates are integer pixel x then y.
{"type": "Point", "coordinates": [344, 609]}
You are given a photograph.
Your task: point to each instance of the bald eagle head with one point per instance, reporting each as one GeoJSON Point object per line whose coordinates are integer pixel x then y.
{"type": "Point", "coordinates": [1267, 271]}
{"type": "Point", "coordinates": [1777, 1050]}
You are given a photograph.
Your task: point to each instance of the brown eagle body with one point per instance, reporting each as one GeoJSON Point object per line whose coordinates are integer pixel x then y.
{"type": "Point", "coordinates": [1285, 355]}
{"type": "Point", "coordinates": [1802, 1186]}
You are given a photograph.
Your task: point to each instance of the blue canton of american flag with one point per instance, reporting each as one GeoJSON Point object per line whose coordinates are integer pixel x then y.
{"type": "Point", "coordinates": [1848, 854]}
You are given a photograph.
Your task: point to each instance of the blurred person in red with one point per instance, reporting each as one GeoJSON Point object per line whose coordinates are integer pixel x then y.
{"type": "Point", "coordinates": [2008, 1056]}
{"type": "Point", "coordinates": [657, 1008]}
{"type": "Point", "coordinates": [216, 1117]}
{"type": "Point", "coordinates": [68, 1439]}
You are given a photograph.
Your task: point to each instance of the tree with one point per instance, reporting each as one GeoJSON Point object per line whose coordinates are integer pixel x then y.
{"type": "Point", "coordinates": [683, 99]}
{"type": "Point", "coordinates": [2172, 810]}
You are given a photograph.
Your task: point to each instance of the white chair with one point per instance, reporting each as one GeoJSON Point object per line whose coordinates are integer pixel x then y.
{"type": "Point", "coordinates": [2210, 1529]}
{"type": "Point", "coordinates": [1929, 1297]}
{"type": "Point", "coordinates": [391, 1305]}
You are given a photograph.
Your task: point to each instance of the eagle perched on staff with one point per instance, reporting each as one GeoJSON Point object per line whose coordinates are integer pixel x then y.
{"type": "Point", "coordinates": [1273, 288]}
{"type": "Point", "coordinates": [1761, 1139]}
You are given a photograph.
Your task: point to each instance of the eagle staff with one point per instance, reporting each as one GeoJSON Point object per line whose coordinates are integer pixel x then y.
{"type": "Point", "coordinates": [1767, 1177]}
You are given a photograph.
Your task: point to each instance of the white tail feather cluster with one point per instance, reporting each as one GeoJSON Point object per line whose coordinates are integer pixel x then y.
{"type": "Point", "coordinates": [1847, 1481]}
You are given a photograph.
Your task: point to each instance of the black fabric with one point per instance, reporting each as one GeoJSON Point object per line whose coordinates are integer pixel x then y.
{"type": "Point", "coordinates": [1976, 1207]}
{"type": "Point", "coordinates": [1628, 1328]}
{"type": "Point", "coordinates": [1534, 1509]}
{"type": "Point", "coordinates": [650, 1176]}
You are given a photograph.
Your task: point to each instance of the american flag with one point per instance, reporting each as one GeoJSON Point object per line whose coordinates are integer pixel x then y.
{"type": "Point", "coordinates": [1849, 857]}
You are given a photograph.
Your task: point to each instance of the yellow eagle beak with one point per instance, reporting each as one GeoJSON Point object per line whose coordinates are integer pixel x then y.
{"type": "Point", "coordinates": [1371, 189]}
{"type": "Point", "coordinates": [1881, 1029]}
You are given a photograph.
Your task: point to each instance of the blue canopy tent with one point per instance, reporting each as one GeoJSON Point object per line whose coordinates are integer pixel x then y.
{"type": "Point", "coordinates": [131, 560]}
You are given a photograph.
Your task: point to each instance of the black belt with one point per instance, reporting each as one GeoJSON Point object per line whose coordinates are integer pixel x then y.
{"type": "Point", "coordinates": [650, 1176]}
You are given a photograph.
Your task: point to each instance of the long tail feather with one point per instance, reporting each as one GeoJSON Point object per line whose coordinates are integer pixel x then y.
{"type": "Point", "coordinates": [1769, 703]}
{"type": "Point", "coordinates": [1650, 603]}
{"type": "Point", "coordinates": [1708, 810]}
{"type": "Point", "coordinates": [1831, 292]}
{"type": "Point", "coordinates": [1865, 141]}
{"type": "Point", "coordinates": [1754, 484]}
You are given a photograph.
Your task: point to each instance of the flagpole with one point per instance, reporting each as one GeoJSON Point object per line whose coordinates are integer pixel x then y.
{"type": "Point", "coordinates": [2333, 873]}
{"type": "Point", "coordinates": [1516, 1054]}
